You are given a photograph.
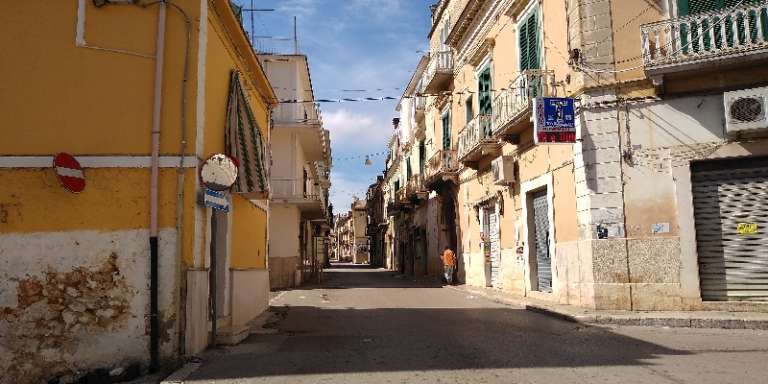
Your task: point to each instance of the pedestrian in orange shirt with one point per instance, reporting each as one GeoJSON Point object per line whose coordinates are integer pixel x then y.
{"type": "Point", "coordinates": [449, 264]}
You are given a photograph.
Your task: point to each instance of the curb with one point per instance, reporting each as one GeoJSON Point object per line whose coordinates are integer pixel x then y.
{"type": "Point", "coordinates": [644, 319]}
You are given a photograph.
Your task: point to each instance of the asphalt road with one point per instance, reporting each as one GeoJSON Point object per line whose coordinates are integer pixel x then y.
{"type": "Point", "coordinates": [367, 326]}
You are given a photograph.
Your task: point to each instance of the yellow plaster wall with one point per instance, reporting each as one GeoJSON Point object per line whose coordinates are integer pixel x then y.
{"type": "Point", "coordinates": [222, 58]}
{"type": "Point", "coordinates": [249, 235]}
{"type": "Point", "coordinates": [564, 200]}
{"type": "Point", "coordinates": [627, 17]}
{"type": "Point", "coordinates": [62, 98]}
{"type": "Point", "coordinates": [113, 199]}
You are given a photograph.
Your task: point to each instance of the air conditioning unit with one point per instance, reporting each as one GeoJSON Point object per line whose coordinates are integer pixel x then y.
{"type": "Point", "coordinates": [503, 169]}
{"type": "Point", "coordinates": [746, 111]}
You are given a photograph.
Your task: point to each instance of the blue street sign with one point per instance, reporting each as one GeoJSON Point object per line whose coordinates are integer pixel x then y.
{"type": "Point", "coordinates": [554, 120]}
{"type": "Point", "coordinates": [216, 200]}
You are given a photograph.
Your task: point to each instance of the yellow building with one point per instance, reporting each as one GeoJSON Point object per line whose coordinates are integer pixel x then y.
{"type": "Point", "coordinates": [78, 271]}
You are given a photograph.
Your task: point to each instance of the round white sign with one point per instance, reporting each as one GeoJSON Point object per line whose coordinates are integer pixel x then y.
{"type": "Point", "coordinates": [219, 172]}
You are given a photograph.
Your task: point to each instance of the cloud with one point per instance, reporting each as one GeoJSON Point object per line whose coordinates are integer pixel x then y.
{"type": "Point", "coordinates": [354, 129]}
{"type": "Point", "coordinates": [303, 8]}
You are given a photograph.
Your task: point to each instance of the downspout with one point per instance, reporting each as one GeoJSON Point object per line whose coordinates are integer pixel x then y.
{"type": "Point", "coordinates": [154, 323]}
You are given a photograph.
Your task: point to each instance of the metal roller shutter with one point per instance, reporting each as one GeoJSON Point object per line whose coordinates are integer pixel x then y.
{"type": "Point", "coordinates": [730, 200]}
{"type": "Point", "coordinates": [541, 237]}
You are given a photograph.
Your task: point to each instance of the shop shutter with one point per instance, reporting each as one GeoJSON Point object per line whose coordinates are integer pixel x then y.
{"type": "Point", "coordinates": [731, 214]}
{"type": "Point", "coordinates": [541, 241]}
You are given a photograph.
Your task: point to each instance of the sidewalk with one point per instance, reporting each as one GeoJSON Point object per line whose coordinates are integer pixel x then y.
{"type": "Point", "coordinates": [672, 319]}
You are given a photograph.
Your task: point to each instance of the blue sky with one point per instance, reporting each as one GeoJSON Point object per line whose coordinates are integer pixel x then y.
{"type": "Point", "coordinates": [351, 44]}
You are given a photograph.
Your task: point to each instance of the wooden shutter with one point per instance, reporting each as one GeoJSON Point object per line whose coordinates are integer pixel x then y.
{"type": "Point", "coordinates": [447, 131]}
{"type": "Point", "coordinates": [528, 38]}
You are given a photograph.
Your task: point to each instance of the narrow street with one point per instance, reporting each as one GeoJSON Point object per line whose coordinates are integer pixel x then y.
{"type": "Point", "coordinates": [365, 325]}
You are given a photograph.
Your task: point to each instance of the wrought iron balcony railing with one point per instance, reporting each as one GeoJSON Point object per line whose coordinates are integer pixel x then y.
{"type": "Point", "coordinates": [475, 133]}
{"type": "Point", "coordinates": [513, 104]}
{"type": "Point", "coordinates": [705, 37]}
{"type": "Point", "coordinates": [441, 163]}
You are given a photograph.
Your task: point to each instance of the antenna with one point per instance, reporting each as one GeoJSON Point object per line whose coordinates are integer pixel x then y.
{"type": "Point", "coordinates": [295, 38]}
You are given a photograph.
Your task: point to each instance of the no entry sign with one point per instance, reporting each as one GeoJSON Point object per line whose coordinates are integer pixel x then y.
{"type": "Point", "coordinates": [69, 172]}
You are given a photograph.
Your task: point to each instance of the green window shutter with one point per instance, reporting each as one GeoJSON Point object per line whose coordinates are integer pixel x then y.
{"type": "Point", "coordinates": [484, 97]}
{"type": "Point", "coordinates": [528, 42]}
{"type": "Point", "coordinates": [447, 132]}
{"type": "Point", "coordinates": [408, 169]}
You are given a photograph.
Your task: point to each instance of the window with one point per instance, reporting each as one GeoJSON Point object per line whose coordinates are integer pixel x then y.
{"type": "Point", "coordinates": [469, 110]}
{"type": "Point", "coordinates": [422, 156]}
{"type": "Point", "coordinates": [528, 41]}
{"type": "Point", "coordinates": [446, 122]}
{"type": "Point", "coordinates": [408, 171]}
{"type": "Point", "coordinates": [484, 99]}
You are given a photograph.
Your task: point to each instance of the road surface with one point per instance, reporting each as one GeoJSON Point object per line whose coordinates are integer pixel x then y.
{"type": "Point", "coordinates": [367, 326]}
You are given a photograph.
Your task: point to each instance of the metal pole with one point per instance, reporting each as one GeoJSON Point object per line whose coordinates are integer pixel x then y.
{"type": "Point", "coordinates": [212, 287]}
{"type": "Point", "coordinates": [154, 323]}
{"type": "Point", "coordinates": [295, 38]}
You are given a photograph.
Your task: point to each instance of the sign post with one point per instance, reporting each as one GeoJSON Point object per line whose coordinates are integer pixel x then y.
{"type": "Point", "coordinates": [554, 120]}
{"type": "Point", "coordinates": [217, 174]}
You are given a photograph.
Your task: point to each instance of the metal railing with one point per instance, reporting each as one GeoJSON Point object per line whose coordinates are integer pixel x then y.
{"type": "Point", "coordinates": [439, 62]}
{"type": "Point", "coordinates": [297, 113]}
{"type": "Point", "coordinates": [706, 36]}
{"type": "Point", "coordinates": [442, 161]}
{"type": "Point", "coordinates": [415, 184]}
{"type": "Point", "coordinates": [515, 100]}
{"type": "Point", "coordinates": [474, 133]}
{"type": "Point", "coordinates": [293, 189]}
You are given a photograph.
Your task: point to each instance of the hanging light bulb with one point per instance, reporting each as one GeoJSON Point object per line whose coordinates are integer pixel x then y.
{"type": "Point", "coordinates": [368, 161]}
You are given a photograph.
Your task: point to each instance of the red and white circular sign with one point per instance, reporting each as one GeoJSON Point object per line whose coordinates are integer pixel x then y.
{"type": "Point", "coordinates": [69, 172]}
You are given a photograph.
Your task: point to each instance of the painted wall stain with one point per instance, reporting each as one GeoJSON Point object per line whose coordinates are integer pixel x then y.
{"type": "Point", "coordinates": [43, 328]}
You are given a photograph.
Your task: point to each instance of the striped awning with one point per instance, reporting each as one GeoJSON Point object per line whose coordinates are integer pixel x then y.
{"type": "Point", "coordinates": [245, 143]}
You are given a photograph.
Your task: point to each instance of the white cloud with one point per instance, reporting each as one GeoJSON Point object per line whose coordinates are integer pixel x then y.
{"type": "Point", "coordinates": [349, 129]}
{"type": "Point", "coordinates": [301, 8]}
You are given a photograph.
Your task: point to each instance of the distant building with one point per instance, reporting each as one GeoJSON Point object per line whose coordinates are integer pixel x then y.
{"type": "Point", "coordinates": [300, 175]}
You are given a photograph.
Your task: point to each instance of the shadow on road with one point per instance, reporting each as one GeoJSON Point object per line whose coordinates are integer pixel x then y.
{"type": "Point", "coordinates": [314, 340]}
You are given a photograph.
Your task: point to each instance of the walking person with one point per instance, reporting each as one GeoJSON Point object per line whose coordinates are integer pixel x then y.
{"type": "Point", "coordinates": [449, 264]}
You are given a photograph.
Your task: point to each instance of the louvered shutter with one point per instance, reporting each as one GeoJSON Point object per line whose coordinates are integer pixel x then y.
{"type": "Point", "coordinates": [730, 199]}
{"type": "Point", "coordinates": [529, 43]}
{"type": "Point", "coordinates": [447, 131]}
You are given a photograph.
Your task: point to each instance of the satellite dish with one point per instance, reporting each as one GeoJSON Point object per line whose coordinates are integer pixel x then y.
{"type": "Point", "coordinates": [219, 172]}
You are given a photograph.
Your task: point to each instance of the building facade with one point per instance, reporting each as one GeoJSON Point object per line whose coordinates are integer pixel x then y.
{"type": "Point", "coordinates": [666, 95]}
{"type": "Point", "coordinates": [300, 179]}
{"type": "Point", "coordinates": [359, 224]}
{"type": "Point", "coordinates": [133, 268]}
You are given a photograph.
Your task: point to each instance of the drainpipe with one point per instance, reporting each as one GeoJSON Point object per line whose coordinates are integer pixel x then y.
{"type": "Point", "coordinates": [154, 323]}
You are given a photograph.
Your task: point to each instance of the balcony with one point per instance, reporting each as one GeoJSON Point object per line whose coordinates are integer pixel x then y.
{"type": "Point", "coordinates": [307, 114]}
{"type": "Point", "coordinates": [442, 166]}
{"type": "Point", "coordinates": [720, 37]}
{"type": "Point", "coordinates": [512, 107]}
{"type": "Point", "coordinates": [476, 141]}
{"type": "Point", "coordinates": [310, 198]}
{"type": "Point", "coordinates": [415, 189]}
{"type": "Point", "coordinates": [439, 72]}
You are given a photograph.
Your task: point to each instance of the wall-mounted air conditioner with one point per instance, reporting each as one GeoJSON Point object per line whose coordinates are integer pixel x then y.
{"type": "Point", "coordinates": [746, 111]}
{"type": "Point", "coordinates": [503, 170]}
